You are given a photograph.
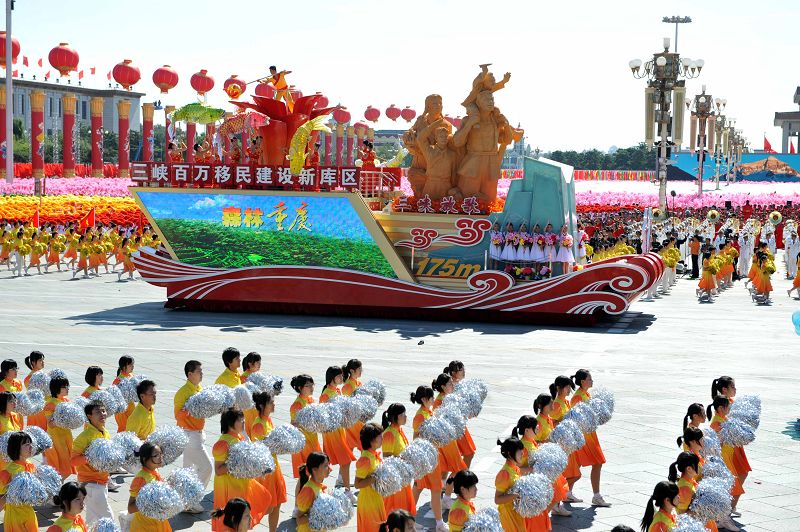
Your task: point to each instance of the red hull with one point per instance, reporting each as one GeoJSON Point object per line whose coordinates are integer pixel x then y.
{"type": "Point", "coordinates": [604, 288]}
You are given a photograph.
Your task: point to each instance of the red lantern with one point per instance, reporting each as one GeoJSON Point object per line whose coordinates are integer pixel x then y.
{"type": "Point", "coordinates": [234, 87]}
{"type": "Point", "coordinates": [63, 58]}
{"type": "Point", "coordinates": [322, 101]}
{"type": "Point", "coordinates": [266, 90]}
{"type": "Point", "coordinates": [392, 112]}
{"type": "Point", "coordinates": [165, 78]}
{"type": "Point", "coordinates": [14, 49]}
{"type": "Point", "coordinates": [408, 114]}
{"type": "Point", "coordinates": [126, 74]}
{"type": "Point", "coordinates": [360, 128]}
{"type": "Point", "coordinates": [341, 115]}
{"type": "Point", "coordinates": [372, 114]}
{"type": "Point", "coordinates": [202, 82]}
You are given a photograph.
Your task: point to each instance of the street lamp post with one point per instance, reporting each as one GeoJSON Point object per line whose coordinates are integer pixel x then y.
{"type": "Point", "coordinates": [662, 74]}
{"type": "Point", "coordinates": [702, 116]}
{"type": "Point", "coordinates": [719, 146]}
{"type": "Point", "coordinates": [676, 21]}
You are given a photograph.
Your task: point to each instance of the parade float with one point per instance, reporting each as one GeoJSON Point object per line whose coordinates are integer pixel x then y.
{"type": "Point", "coordinates": [287, 234]}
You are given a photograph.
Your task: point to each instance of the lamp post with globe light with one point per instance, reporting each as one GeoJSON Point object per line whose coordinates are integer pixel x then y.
{"type": "Point", "coordinates": [702, 126]}
{"type": "Point", "coordinates": [664, 86]}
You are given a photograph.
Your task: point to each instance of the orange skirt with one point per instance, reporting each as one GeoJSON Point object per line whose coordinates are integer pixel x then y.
{"type": "Point", "coordinates": [94, 260]}
{"type": "Point", "coordinates": [560, 489]}
{"type": "Point", "coordinates": [82, 263]}
{"type": "Point", "coordinates": [36, 259]}
{"type": "Point", "coordinates": [53, 258]}
{"type": "Point", "coordinates": [539, 523]}
{"type": "Point", "coordinates": [573, 469]}
{"type": "Point", "coordinates": [71, 253]}
{"type": "Point", "coordinates": [432, 481]}
{"type": "Point", "coordinates": [59, 456]}
{"type": "Point", "coordinates": [298, 459]}
{"type": "Point", "coordinates": [450, 459]}
{"type": "Point", "coordinates": [707, 282]}
{"type": "Point", "coordinates": [591, 453]}
{"type": "Point", "coordinates": [227, 488]}
{"type": "Point", "coordinates": [38, 420]}
{"type": "Point", "coordinates": [353, 435]}
{"type": "Point", "coordinates": [466, 445]}
{"type": "Point", "coordinates": [275, 484]}
{"type": "Point", "coordinates": [740, 462]}
{"type": "Point", "coordinates": [753, 272]}
{"type": "Point", "coordinates": [402, 500]}
{"type": "Point", "coordinates": [796, 282]}
{"type": "Point", "coordinates": [334, 444]}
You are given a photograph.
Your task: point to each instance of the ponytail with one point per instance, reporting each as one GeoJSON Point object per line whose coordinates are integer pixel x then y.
{"type": "Point", "coordinates": [391, 414]}
{"type": "Point", "coordinates": [718, 384]}
{"type": "Point", "coordinates": [580, 376]}
{"type": "Point", "coordinates": [689, 435]}
{"type": "Point", "coordinates": [33, 358]}
{"type": "Point", "coordinates": [649, 513]}
{"type": "Point", "coordinates": [720, 401]}
{"type": "Point", "coordinates": [684, 461]}
{"type": "Point", "coordinates": [541, 401]}
{"type": "Point", "coordinates": [561, 382]}
{"type": "Point", "coordinates": [714, 385]}
{"type": "Point", "coordinates": [313, 461]}
{"type": "Point", "coordinates": [441, 381]}
{"type": "Point", "coordinates": [672, 475]}
{"type": "Point", "coordinates": [423, 392]}
{"type": "Point", "coordinates": [396, 520]}
{"type": "Point", "coordinates": [663, 490]}
{"type": "Point", "coordinates": [124, 361]}
{"type": "Point", "coordinates": [693, 410]}
{"type": "Point", "coordinates": [352, 365]}
{"type": "Point", "coordinates": [524, 423]}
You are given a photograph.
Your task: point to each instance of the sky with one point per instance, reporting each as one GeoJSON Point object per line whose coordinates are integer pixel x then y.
{"type": "Point", "coordinates": [570, 86]}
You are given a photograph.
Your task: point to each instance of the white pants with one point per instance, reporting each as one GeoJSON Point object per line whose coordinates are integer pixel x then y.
{"type": "Point", "coordinates": [195, 454]}
{"type": "Point", "coordinates": [17, 262]}
{"type": "Point", "coordinates": [97, 505]}
{"type": "Point", "coordinates": [791, 264]}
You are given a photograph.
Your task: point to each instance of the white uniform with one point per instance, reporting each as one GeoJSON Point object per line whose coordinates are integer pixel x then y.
{"type": "Point", "coordinates": [791, 248]}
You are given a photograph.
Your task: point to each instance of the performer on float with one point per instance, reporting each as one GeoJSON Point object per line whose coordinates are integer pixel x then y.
{"type": "Point", "coordinates": [367, 155]}
{"type": "Point", "coordinates": [334, 443]}
{"type": "Point", "coordinates": [537, 249]}
{"type": "Point", "coordinates": [176, 151]}
{"type": "Point", "coordinates": [495, 244]}
{"type": "Point", "coordinates": [312, 475]}
{"type": "Point", "coordinates": [282, 92]}
{"type": "Point", "coordinates": [235, 153]}
{"type": "Point", "coordinates": [564, 255]}
{"type": "Point", "coordinates": [313, 155]}
{"type": "Point", "coordinates": [394, 443]}
{"type": "Point", "coordinates": [370, 511]}
{"type": "Point", "coordinates": [272, 482]}
{"type": "Point", "coordinates": [523, 248]}
{"type": "Point", "coordinates": [509, 253]}
{"type": "Point", "coordinates": [550, 240]}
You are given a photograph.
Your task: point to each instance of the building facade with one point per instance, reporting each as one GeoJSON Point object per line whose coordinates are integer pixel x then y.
{"type": "Point", "coordinates": [53, 112]}
{"type": "Point", "coordinates": [789, 122]}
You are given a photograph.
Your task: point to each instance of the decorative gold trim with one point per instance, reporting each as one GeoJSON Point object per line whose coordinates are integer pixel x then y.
{"type": "Point", "coordinates": [148, 109]}
{"type": "Point", "coordinates": [96, 105]}
{"type": "Point", "coordinates": [37, 101]}
{"type": "Point", "coordinates": [356, 201]}
{"type": "Point", "coordinates": [124, 109]}
{"type": "Point", "coordinates": [68, 101]}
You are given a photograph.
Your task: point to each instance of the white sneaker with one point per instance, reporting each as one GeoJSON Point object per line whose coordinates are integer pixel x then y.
{"type": "Point", "coordinates": [735, 513]}
{"type": "Point", "coordinates": [194, 509]}
{"type": "Point", "coordinates": [728, 524]}
{"type": "Point", "coordinates": [441, 527]}
{"type": "Point", "coordinates": [598, 500]}
{"type": "Point", "coordinates": [559, 510]}
{"type": "Point", "coordinates": [572, 498]}
{"type": "Point", "coordinates": [447, 502]}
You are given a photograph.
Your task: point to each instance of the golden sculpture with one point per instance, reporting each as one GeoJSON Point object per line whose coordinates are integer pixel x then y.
{"type": "Point", "coordinates": [467, 163]}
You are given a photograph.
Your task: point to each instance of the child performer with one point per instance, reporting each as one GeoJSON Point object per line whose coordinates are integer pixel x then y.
{"type": "Point", "coordinates": [351, 373]}
{"type": "Point", "coordinates": [151, 457]}
{"type": "Point", "coordinates": [466, 445]}
{"type": "Point", "coordinates": [94, 379]}
{"type": "Point", "coordinates": [465, 486]}
{"type": "Point", "coordinates": [394, 443]}
{"type": "Point", "coordinates": [371, 512]}
{"type": "Point", "coordinates": [95, 482]}
{"type": "Point", "coordinates": [195, 454]}
{"type": "Point", "coordinates": [273, 482]}
{"type": "Point", "coordinates": [230, 377]}
{"type": "Point", "coordinates": [433, 481]}
{"type": "Point", "coordinates": [124, 371]}
{"type": "Point", "coordinates": [312, 481]}
{"type": "Point", "coordinates": [559, 391]}
{"type": "Point", "coordinates": [665, 496]}
{"type": "Point", "coordinates": [235, 516]}
{"type": "Point", "coordinates": [590, 454]}
{"type": "Point", "coordinates": [251, 364]}
{"type": "Point", "coordinates": [334, 443]}
{"type": "Point", "coordinates": [449, 456]}
{"type": "Point", "coordinates": [304, 386]}
{"type": "Point", "coordinates": [688, 464]}
{"type": "Point", "coordinates": [526, 428]}
{"type": "Point", "coordinates": [543, 408]}
{"type": "Point", "coordinates": [143, 418]}
{"type": "Point", "coordinates": [71, 501]}
{"type": "Point", "coordinates": [399, 521]}
{"type": "Point", "coordinates": [8, 376]}
{"type": "Point", "coordinates": [18, 517]}
{"type": "Point", "coordinates": [512, 450]}
{"type": "Point", "coordinates": [59, 456]}
{"type": "Point", "coordinates": [35, 363]}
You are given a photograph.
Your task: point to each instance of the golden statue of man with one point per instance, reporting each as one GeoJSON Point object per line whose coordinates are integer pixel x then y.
{"type": "Point", "coordinates": [411, 139]}
{"type": "Point", "coordinates": [440, 159]}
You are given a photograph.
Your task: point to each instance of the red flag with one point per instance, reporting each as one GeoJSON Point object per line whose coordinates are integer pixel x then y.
{"type": "Point", "coordinates": [15, 73]}
{"type": "Point", "coordinates": [791, 148]}
{"type": "Point", "coordinates": [47, 76]}
{"type": "Point", "coordinates": [25, 60]}
{"type": "Point", "coordinates": [88, 220]}
{"type": "Point", "coordinates": [767, 146]}
{"type": "Point", "coordinates": [35, 221]}
{"type": "Point", "coordinates": [92, 71]}
{"type": "Point", "coordinates": [109, 76]}
{"type": "Point", "coordinates": [80, 74]}
{"type": "Point", "coordinates": [39, 62]}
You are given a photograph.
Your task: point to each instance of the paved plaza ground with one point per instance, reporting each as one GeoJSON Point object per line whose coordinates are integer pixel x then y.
{"type": "Point", "coordinates": [658, 358]}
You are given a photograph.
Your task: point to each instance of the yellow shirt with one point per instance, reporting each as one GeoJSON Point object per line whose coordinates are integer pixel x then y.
{"type": "Point", "coordinates": [87, 473]}
{"type": "Point", "coordinates": [185, 421]}
{"type": "Point", "coordinates": [142, 421]}
{"type": "Point", "coordinates": [229, 378]}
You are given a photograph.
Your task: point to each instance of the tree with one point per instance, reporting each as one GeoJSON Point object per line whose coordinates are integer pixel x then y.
{"type": "Point", "coordinates": [634, 158]}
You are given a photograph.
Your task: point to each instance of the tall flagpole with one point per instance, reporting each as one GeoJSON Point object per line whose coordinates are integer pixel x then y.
{"type": "Point", "coordinates": [9, 99]}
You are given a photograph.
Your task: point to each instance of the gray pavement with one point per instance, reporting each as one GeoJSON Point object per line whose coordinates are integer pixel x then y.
{"type": "Point", "coordinates": [658, 358]}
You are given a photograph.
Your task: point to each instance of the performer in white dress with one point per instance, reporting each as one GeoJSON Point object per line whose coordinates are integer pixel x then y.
{"type": "Point", "coordinates": [509, 253]}
{"type": "Point", "coordinates": [537, 248]}
{"type": "Point", "coordinates": [495, 244]}
{"type": "Point", "coordinates": [550, 240]}
{"type": "Point", "coordinates": [564, 255]}
{"type": "Point", "coordinates": [523, 249]}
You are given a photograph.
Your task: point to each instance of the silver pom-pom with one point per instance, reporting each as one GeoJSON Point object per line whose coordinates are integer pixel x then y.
{"type": "Point", "coordinates": [584, 417]}
{"type": "Point", "coordinates": [422, 456]}
{"type": "Point", "coordinates": [184, 480]}
{"type": "Point", "coordinates": [374, 389]}
{"type": "Point", "coordinates": [350, 408]}
{"type": "Point", "coordinates": [736, 433]}
{"type": "Point", "coordinates": [49, 478]}
{"type": "Point", "coordinates": [601, 410]}
{"type": "Point", "coordinates": [485, 520]}
{"type": "Point", "coordinates": [243, 398]}
{"type": "Point", "coordinates": [285, 439]}
{"type": "Point", "coordinates": [57, 373]}
{"type": "Point", "coordinates": [41, 439]}
{"type": "Point", "coordinates": [68, 415]}
{"type": "Point", "coordinates": [605, 395]}
{"type": "Point", "coordinates": [535, 493]}
{"type": "Point", "coordinates": [549, 460]}
{"type": "Point", "coordinates": [468, 401]}
{"type": "Point", "coordinates": [26, 489]}
{"type": "Point", "coordinates": [333, 416]}
{"type": "Point", "coordinates": [171, 440]}
{"type": "Point", "coordinates": [715, 467]}
{"type": "Point", "coordinates": [568, 435]}
{"type": "Point", "coordinates": [29, 403]}
{"type": "Point", "coordinates": [747, 409]}
{"type": "Point", "coordinates": [210, 401]}
{"type": "Point", "coordinates": [158, 500]}
{"type": "Point", "coordinates": [455, 418]}
{"type": "Point", "coordinates": [437, 430]}
{"type": "Point", "coordinates": [711, 443]}
{"type": "Point", "coordinates": [712, 500]}
{"type": "Point", "coordinates": [476, 386]}
{"type": "Point", "coordinates": [106, 455]}
{"type": "Point", "coordinates": [313, 418]}
{"type": "Point", "coordinates": [40, 381]}
{"type": "Point", "coordinates": [367, 407]}
{"type": "Point", "coordinates": [330, 511]}
{"type": "Point", "coordinates": [104, 524]}
{"type": "Point", "coordinates": [130, 444]}
{"type": "Point", "coordinates": [248, 459]}
{"type": "Point", "coordinates": [688, 523]}
{"type": "Point", "coordinates": [116, 394]}
{"type": "Point", "coordinates": [266, 383]}
{"type": "Point", "coordinates": [81, 402]}
{"type": "Point", "coordinates": [128, 388]}
{"type": "Point", "coordinates": [391, 475]}
{"type": "Point", "coordinates": [109, 400]}
{"type": "Point", "coordinates": [4, 447]}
